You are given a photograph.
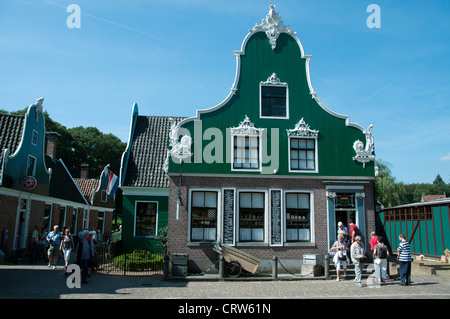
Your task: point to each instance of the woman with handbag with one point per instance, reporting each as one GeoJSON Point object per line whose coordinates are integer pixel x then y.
{"type": "Point", "coordinates": [340, 250]}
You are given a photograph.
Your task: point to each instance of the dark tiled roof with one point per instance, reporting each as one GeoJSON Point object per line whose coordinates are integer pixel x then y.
{"type": "Point", "coordinates": [62, 185]}
{"type": "Point", "coordinates": [11, 129]}
{"type": "Point", "coordinates": [148, 152]}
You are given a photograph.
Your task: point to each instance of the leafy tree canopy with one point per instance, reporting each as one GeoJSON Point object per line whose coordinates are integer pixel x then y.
{"type": "Point", "coordinates": [83, 145]}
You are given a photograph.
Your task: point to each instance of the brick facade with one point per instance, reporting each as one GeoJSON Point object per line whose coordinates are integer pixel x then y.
{"type": "Point", "coordinates": [178, 229]}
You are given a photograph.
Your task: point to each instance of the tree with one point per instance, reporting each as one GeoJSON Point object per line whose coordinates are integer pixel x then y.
{"type": "Point", "coordinates": [80, 145]}
{"type": "Point", "coordinates": [389, 192]}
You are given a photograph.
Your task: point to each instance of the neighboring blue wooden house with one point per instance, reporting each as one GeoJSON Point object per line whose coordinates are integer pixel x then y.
{"type": "Point", "coordinates": [35, 187]}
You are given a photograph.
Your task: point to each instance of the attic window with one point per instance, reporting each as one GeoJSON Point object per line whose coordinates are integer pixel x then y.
{"type": "Point", "coordinates": [274, 98]}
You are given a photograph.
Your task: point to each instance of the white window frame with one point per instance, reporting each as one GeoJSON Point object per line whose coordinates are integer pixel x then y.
{"type": "Point", "coordinates": [33, 173]}
{"type": "Point", "coordinates": [34, 137]}
{"type": "Point", "coordinates": [275, 82]}
{"type": "Point", "coordinates": [316, 157]}
{"type": "Point", "coordinates": [266, 218]}
{"type": "Point", "coordinates": [311, 217]}
{"type": "Point", "coordinates": [219, 214]}
{"type": "Point", "coordinates": [135, 216]}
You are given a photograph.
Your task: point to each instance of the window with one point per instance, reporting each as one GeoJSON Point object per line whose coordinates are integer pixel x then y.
{"type": "Point", "coordinates": [273, 101]}
{"type": "Point", "coordinates": [302, 154]}
{"type": "Point", "coordinates": [31, 165]}
{"type": "Point", "coordinates": [145, 224]}
{"type": "Point", "coordinates": [204, 216]}
{"type": "Point", "coordinates": [104, 196]}
{"type": "Point", "coordinates": [47, 216]}
{"type": "Point", "coordinates": [251, 217]}
{"type": "Point", "coordinates": [246, 152]}
{"type": "Point", "coordinates": [73, 228]}
{"type": "Point", "coordinates": [62, 218]}
{"type": "Point", "coordinates": [34, 137]}
{"type": "Point", "coordinates": [298, 217]}
{"type": "Point", "coordinates": [100, 221]}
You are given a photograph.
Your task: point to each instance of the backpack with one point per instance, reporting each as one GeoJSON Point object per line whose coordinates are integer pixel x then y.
{"type": "Point", "coordinates": [381, 251]}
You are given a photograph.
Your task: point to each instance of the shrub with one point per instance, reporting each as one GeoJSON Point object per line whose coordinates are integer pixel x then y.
{"type": "Point", "coordinates": [139, 260]}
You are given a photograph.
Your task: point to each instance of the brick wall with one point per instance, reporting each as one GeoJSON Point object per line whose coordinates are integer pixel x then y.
{"type": "Point", "coordinates": [178, 229]}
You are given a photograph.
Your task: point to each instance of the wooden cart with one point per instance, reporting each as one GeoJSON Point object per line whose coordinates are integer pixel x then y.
{"type": "Point", "coordinates": [238, 260]}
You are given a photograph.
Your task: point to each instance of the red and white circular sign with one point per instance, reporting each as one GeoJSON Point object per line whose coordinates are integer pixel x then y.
{"type": "Point", "coordinates": [29, 183]}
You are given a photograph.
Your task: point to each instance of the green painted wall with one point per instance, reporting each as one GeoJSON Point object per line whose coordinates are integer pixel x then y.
{"type": "Point", "coordinates": [432, 236]}
{"type": "Point", "coordinates": [130, 241]}
{"type": "Point", "coordinates": [335, 141]}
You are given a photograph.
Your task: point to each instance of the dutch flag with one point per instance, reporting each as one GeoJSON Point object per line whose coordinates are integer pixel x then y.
{"type": "Point", "coordinates": [113, 184]}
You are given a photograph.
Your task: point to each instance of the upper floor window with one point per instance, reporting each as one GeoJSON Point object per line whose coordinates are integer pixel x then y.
{"type": "Point", "coordinates": [274, 98]}
{"type": "Point", "coordinates": [31, 166]}
{"type": "Point", "coordinates": [303, 152]}
{"type": "Point", "coordinates": [246, 146]}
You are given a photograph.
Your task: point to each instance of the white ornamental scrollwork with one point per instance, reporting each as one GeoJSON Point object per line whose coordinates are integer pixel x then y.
{"type": "Point", "coordinates": [274, 80]}
{"type": "Point", "coordinates": [273, 26]}
{"type": "Point", "coordinates": [178, 149]}
{"type": "Point", "coordinates": [364, 154]}
{"type": "Point", "coordinates": [302, 129]}
{"type": "Point", "coordinates": [246, 127]}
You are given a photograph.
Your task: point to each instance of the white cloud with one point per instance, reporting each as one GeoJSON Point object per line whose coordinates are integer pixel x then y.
{"type": "Point", "coordinates": [446, 157]}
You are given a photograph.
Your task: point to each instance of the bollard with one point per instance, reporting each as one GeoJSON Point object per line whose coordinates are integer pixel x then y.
{"type": "Point", "coordinates": [326, 266]}
{"type": "Point", "coordinates": [221, 267]}
{"type": "Point", "coordinates": [274, 267]}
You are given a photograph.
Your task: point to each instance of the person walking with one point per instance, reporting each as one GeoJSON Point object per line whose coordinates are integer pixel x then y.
{"type": "Point", "coordinates": [357, 256]}
{"type": "Point", "coordinates": [340, 250]}
{"type": "Point", "coordinates": [67, 246]}
{"type": "Point", "coordinates": [354, 231]}
{"type": "Point", "coordinates": [84, 253]}
{"type": "Point", "coordinates": [380, 256]}
{"type": "Point", "coordinates": [54, 240]}
{"type": "Point", "coordinates": [404, 259]}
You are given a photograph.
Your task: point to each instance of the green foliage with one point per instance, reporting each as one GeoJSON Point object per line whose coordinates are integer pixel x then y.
{"type": "Point", "coordinates": [389, 192]}
{"type": "Point", "coordinates": [139, 260]}
{"type": "Point", "coordinates": [161, 237]}
{"type": "Point", "coordinates": [83, 145]}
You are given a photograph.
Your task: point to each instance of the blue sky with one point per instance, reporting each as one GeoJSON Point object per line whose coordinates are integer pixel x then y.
{"type": "Point", "coordinates": [173, 57]}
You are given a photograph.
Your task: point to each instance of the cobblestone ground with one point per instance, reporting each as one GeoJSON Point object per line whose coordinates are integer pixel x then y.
{"type": "Point", "coordinates": [29, 282]}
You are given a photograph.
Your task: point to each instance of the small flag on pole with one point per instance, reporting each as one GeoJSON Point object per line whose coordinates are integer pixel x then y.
{"type": "Point", "coordinates": [113, 184]}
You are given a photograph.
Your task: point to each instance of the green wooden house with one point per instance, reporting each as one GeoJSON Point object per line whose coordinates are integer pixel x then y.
{"type": "Point", "coordinates": [269, 170]}
{"type": "Point", "coordinates": [143, 181]}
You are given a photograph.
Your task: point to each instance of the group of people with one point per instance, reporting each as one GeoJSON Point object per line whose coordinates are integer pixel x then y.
{"type": "Point", "coordinates": [380, 253]}
{"type": "Point", "coordinates": [82, 245]}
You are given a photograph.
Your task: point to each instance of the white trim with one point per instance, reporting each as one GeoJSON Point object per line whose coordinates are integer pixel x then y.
{"type": "Point", "coordinates": [266, 216]}
{"type": "Point", "coordinates": [144, 191]}
{"type": "Point", "coordinates": [316, 155]}
{"type": "Point", "coordinates": [346, 178]}
{"type": "Point", "coordinates": [135, 215]}
{"type": "Point", "coordinates": [259, 169]}
{"type": "Point", "coordinates": [33, 173]}
{"type": "Point", "coordinates": [275, 82]}
{"type": "Point", "coordinates": [311, 214]}
{"type": "Point", "coordinates": [218, 191]}
{"type": "Point", "coordinates": [234, 87]}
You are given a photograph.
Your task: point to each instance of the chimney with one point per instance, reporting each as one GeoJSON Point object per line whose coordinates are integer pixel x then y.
{"type": "Point", "coordinates": [52, 143]}
{"type": "Point", "coordinates": [84, 172]}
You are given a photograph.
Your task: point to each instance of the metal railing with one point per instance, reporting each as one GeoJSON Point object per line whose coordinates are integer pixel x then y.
{"type": "Point", "coordinates": [110, 259]}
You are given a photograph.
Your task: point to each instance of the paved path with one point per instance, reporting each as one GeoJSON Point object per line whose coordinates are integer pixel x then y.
{"type": "Point", "coordinates": [30, 282]}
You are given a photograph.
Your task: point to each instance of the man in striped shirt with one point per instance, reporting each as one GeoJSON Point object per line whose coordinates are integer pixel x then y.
{"type": "Point", "coordinates": [404, 259]}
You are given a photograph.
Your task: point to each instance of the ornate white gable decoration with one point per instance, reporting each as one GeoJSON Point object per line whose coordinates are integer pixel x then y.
{"type": "Point", "coordinates": [273, 26]}
{"type": "Point", "coordinates": [365, 154]}
{"type": "Point", "coordinates": [274, 80]}
{"type": "Point", "coordinates": [246, 127]}
{"type": "Point", "coordinates": [302, 129]}
{"type": "Point", "coordinates": [178, 149]}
